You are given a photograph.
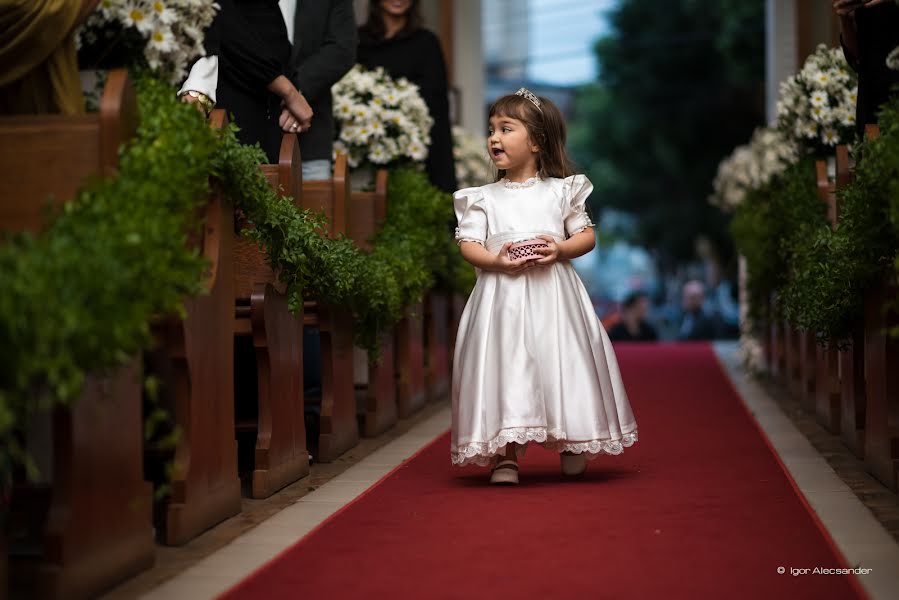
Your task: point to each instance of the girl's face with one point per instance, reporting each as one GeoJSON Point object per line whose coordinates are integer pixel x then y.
{"type": "Point", "coordinates": [396, 8]}
{"type": "Point", "coordinates": [510, 146]}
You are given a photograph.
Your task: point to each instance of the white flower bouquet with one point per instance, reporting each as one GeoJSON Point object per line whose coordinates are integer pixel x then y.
{"type": "Point", "coordinates": [165, 35]}
{"type": "Point", "coordinates": [817, 105]}
{"type": "Point", "coordinates": [380, 120]}
{"type": "Point", "coordinates": [471, 159]}
{"type": "Point", "coordinates": [751, 167]}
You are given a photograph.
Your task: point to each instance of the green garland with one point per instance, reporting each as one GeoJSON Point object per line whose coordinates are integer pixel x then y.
{"type": "Point", "coordinates": [834, 269]}
{"type": "Point", "coordinates": [78, 299]}
{"type": "Point", "coordinates": [406, 253]}
{"type": "Point", "coordinates": [771, 227]}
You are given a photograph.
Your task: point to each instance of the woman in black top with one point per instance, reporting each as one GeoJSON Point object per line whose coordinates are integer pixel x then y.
{"type": "Point", "coordinates": [250, 39]}
{"type": "Point", "coordinates": [394, 38]}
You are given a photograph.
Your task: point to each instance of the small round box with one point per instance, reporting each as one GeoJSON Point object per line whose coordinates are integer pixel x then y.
{"type": "Point", "coordinates": [526, 249]}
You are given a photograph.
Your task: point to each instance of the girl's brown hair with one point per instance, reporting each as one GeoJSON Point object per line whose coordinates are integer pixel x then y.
{"type": "Point", "coordinates": [546, 128]}
{"type": "Point", "coordinates": [373, 31]}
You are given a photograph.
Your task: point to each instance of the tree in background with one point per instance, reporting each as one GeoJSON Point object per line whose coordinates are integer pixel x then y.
{"type": "Point", "coordinates": [680, 85]}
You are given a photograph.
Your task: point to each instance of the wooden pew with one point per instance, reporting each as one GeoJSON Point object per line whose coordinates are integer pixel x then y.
{"type": "Point", "coordinates": [97, 529]}
{"type": "Point", "coordinates": [776, 340]}
{"type": "Point", "coordinates": [851, 361]}
{"type": "Point", "coordinates": [457, 305]}
{"type": "Point", "coordinates": [881, 379]}
{"type": "Point", "coordinates": [410, 361]}
{"type": "Point", "coordinates": [826, 392]}
{"type": "Point", "coordinates": [366, 212]}
{"type": "Point", "coordinates": [807, 369]}
{"type": "Point", "coordinates": [792, 370]}
{"type": "Point", "coordinates": [275, 421]}
{"type": "Point", "coordinates": [437, 361]}
{"type": "Point", "coordinates": [194, 359]}
{"type": "Point", "coordinates": [338, 427]}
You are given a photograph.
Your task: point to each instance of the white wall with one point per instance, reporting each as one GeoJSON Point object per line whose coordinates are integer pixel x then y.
{"type": "Point", "coordinates": [780, 49]}
{"type": "Point", "coordinates": [468, 63]}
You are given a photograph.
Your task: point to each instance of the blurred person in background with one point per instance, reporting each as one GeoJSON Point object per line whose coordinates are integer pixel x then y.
{"type": "Point", "coordinates": [632, 325]}
{"type": "Point", "coordinates": [695, 324]}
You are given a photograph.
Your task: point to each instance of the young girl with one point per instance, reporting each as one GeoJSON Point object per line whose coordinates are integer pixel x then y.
{"type": "Point", "coordinates": [532, 361]}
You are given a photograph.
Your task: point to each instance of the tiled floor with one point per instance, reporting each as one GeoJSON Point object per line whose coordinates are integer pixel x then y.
{"type": "Point", "coordinates": [831, 483]}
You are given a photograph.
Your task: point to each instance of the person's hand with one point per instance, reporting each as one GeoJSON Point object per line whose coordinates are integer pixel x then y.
{"type": "Point", "coordinates": [296, 116]}
{"type": "Point", "coordinates": [845, 8]}
{"type": "Point", "coordinates": [504, 264]}
{"type": "Point", "coordinates": [550, 254]}
{"type": "Point", "coordinates": [187, 98]}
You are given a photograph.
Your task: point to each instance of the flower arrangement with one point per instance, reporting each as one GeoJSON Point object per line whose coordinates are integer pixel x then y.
{"type": "Point", "coordinates": [817, 105]}
{"type": "Point", "coordinates": [751, 167]}
{"type": "Point", "coordinates": [380, 120]}
{"type": "Point", "coordinates": [471, 160]}
{"type": "Point", "coordinates": [165, 35]}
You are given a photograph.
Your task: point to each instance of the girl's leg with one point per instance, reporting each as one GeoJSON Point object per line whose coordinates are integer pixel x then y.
{"type": "Point", "coordinates": [505, 466]}
{"type": "Point", "coordinates": [573, 464]}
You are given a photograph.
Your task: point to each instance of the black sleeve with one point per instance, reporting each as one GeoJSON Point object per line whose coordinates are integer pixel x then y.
{"type": "Point", "coordinates": [319, 71]}
{"type": "Point", "coordinates": [252, 60]}
{"type": "Point", "coordinates": [850, 58]}
{"type": "Point", "coordinates": [434, 91]}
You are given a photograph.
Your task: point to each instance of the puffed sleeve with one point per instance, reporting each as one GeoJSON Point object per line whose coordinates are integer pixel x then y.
{"type": "Point", "coordinates": [471, 215]}
{"type": "Point", "coordinates": [575, 191]}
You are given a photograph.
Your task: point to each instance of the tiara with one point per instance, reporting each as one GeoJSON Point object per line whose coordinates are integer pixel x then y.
{"type": "Point", "coordinates": [530, 96]}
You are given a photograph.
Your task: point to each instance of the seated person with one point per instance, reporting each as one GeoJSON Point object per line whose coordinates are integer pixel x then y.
{"type": "Point", "coordinates": [632, 326]}
{"type": "Point", "coordinates": [696, 324]}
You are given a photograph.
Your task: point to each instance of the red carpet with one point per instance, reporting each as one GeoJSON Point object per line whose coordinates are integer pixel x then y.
{"type": "Point", "coordinates": [700, 507]}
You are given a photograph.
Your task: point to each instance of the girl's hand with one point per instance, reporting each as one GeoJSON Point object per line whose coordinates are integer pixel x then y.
{"type": "Point", "coordinates": [504, 264]}
{"type": "Point", "coordinates": [550, 254]}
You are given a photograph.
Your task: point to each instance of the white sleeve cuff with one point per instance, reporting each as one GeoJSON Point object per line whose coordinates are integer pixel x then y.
{"type": "Point", "coordinates": [203, 77]}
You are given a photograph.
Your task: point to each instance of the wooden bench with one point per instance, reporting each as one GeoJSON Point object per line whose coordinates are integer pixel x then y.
{"type": "Point", "coordinates": [97, 528]}
{"type": "Point", "coordinates": [410, 361]}
{"type": "Point", "coordinates": [775, 340]}
{"type": "Point", "coordinates": [377, 388]}
{"type": "Point", "coordinates": [262, 320]}
{"type": "Point", "coordinates": [826, 387]}
{"type": "Point", "coordinates": [194, 359]}
{"type": "Point", "coordinates": [437, 361]}
{"type": "Point", "coordinates": [851, 361]}
{"type": "Point", "coordinates": [336, 406]}
{"type": "Point", "coordinates": [881, 382]}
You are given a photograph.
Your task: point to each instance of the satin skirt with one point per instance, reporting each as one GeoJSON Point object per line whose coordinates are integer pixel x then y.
{"type": "Point", "coordinates": [533, 363]}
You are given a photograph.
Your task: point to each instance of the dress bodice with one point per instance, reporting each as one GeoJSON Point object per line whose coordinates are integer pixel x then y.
{"type": "Point", "coordinates": [497, 213]}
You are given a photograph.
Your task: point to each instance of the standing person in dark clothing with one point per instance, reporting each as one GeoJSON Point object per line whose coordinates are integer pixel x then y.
{"type": "Point", "coordinates": [393, 37]}
{"type": "Point", "coordinates": [251, 52]}
{"type": "Point", "coordinates": [324, 48]}
{"type": "Point", "coordinates": [870, 30]}
{"type": "Point", "coordinates": [633, 326]}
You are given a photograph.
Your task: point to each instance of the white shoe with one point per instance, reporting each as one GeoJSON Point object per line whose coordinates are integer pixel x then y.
{"type": "Point", "coordinates": [573, 464]}
{"type": "Point", "coordinates": [505, 472]}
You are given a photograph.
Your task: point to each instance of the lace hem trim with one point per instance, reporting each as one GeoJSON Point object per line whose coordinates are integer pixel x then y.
{"type": "Point", "coordinates": [481, 453]}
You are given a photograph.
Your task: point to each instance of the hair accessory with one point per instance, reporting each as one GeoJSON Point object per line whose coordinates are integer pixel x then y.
{"type": "Point", "coordinates": [530, 96]}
